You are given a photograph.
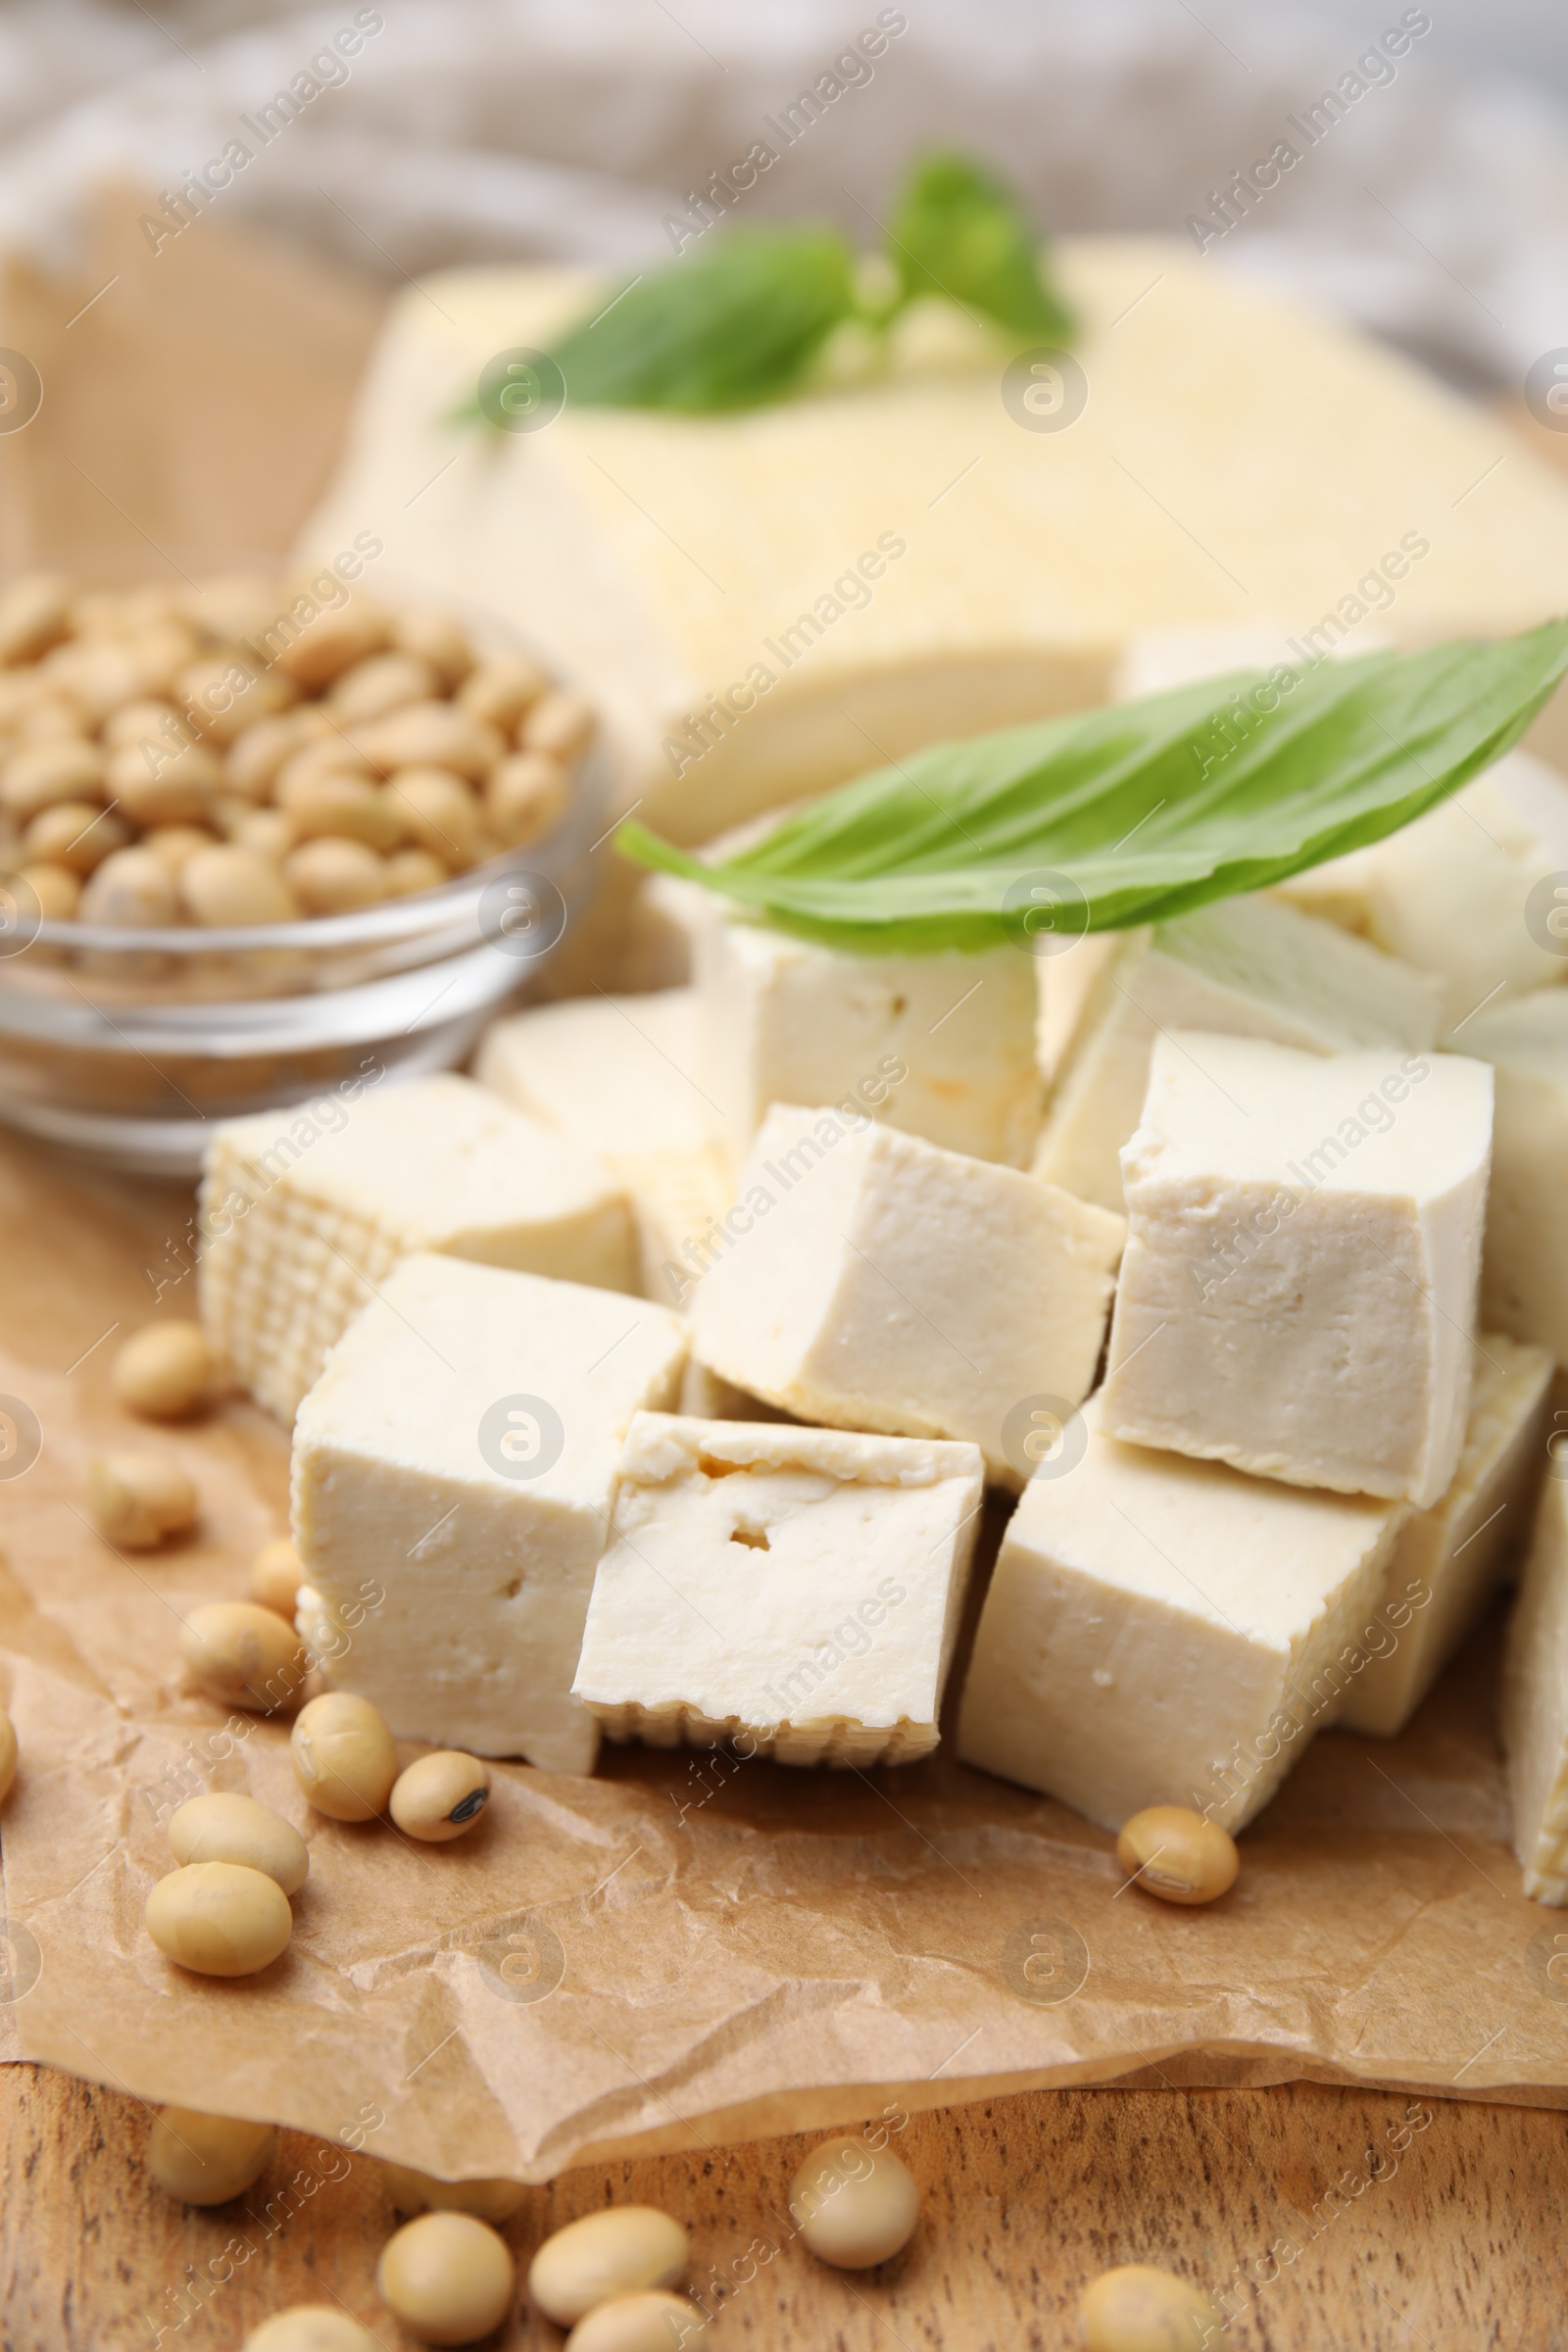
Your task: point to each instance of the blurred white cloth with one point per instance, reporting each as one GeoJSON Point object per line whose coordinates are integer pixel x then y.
{"type": "Point", "coordinates": [1436, 212]}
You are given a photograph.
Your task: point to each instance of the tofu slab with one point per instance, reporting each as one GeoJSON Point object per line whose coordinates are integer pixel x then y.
{"type": "Point", "coordinates": [1160, 1630]}
{"type": "Point", "coordinates": [1447, 1562]}
{"type": "Point", "coordinates": [1245, 967]}
{"type": "Point", "coordinates": [729, 583]}
{"type": "Point", "coordinates": [797, 1587]}
{"type": "Point", "coordinates": [1535, 1703]}
{"type": "Point", "coordinates": [623, 1077]}
{"type": "Point", "coordinates": [1298, 1290]}
{"type": "Point", "coordinates": [305, 1212]}
{"type": "Point", "coordinates": [871, 1281]}
{"type": "Point", "coordinates": [458, 1454]}
{"type": "Point", "coordinates": [1524, 1277]}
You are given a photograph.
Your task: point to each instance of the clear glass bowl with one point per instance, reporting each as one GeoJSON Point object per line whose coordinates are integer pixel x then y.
{"type": "Point", "coordinates": [123, 1046]}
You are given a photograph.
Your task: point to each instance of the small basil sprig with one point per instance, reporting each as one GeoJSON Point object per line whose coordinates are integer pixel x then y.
{"type": "Point", "coordinates": [1139, 812]}
{"type": "Point", "coordinates": [741, 321]}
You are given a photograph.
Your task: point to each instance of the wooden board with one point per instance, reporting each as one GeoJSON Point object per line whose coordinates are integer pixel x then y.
{"type": "Point", "coordinates": [1456, 2242]}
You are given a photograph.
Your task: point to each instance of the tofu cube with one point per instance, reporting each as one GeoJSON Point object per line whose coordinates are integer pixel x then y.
{"type": "Point", "coordinates": [1243, 967]}
{"type": "Point", "coordinates": [1523, 1272]}
{"type": "Point", "coordinates": [871, 1281]}
{"type": "Point", "coordinates": [304, 1211]}
{"type": "Point", "coordinates": [1299, 1292]}
{"type": "Point", "coordinates": [941, 1047]}
{"type": "Point", "coordinates": [1535, 1701]}
{"type": "Point", "coordinates": [620, 1076]}
{"type": "Point", "coordinates": [800, 1587]}
{"type": "Point", "coordinates": [1451, 892]}
{"type": "Point", "coordinates": [1447, 1562]}
{"type": "Point", "coordinates": [458, 1455]}
{"type": "Point", "coordinates": [1160, 1630]}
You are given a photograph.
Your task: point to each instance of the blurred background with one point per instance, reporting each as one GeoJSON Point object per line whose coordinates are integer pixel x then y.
{"type": "Point", "coordinates": [1430, 204]}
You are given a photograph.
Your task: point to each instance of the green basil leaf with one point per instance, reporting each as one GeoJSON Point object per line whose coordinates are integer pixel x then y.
{"type": "Point", "coordinates": [1148, 808]}
{"type": "Point", "coordinates": [959, 232]}
{"type": "Point", "coordinates": [724, 330]}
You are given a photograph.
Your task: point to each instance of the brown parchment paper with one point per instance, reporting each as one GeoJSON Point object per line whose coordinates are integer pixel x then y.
{"type": "Point", "coordinates": [683, 1950]}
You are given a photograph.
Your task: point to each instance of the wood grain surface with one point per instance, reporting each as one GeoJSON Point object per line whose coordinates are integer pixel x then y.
{"type": "Point", "coordinates": [1356, 2219]}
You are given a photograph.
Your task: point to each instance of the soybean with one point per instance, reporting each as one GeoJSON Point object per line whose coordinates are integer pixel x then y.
{"type": "Point", "coordinates": [275, 1577]}
{"type": "Point", "coordinates": [225, 1827]}
{"type": "Point", "coordinates": [420, 2192]}
{"type": "Point", "coordinates": [137, 1500]}
{"type": "Point", "coordinates": [332, 875]}
{"type": "Point", "coordinates": [207, 2159]}
{"type": "Point", "coordinates": [437, 810]}
{"type": "Point", "coordinates": [227, 885]}
{"type": "Point", "coordinates": [56, 889]}
{"type": "Point", "coordinates": [310, 2328]}
{"type": "Point", "coordinates": [628, 2248]}
{"type": "Point", "coordinates": [855, 2205]}
{"type": "Point", "coordinates": [560, 725]}
{"type": "Point", "coordinates": [132, 890]}
{"type": "Point", "coordinates": [220, 1919]}
{"type": "Point", "coordinates": [8, 1755]}
{"type": "Point", "coordinates": [410, 870]}
{"type": "Point", "coordinates": [649, 2322]}
{"type": "Point", "coordinates": [527, 795]}
{"type": "Point", "coordinates": [244, 1655]}
{"type": "Point", "coordinates": [1177, 1854]}
{"type": "Point", "coordinates": [447, 2276]}
{"type": "Point", "coordinates": [164, 1371]}
{"type": "Point", "coordinates": [344, 1759]}
{"type": "Point", "coordinates": [1140, 2309]}
{"type": "Point", "coordinates": [441, 1796]}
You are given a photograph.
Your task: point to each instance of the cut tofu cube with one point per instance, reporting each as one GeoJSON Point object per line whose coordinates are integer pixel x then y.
{"type": "Point", "coordinates": [304, 1211]}
{"type": "Point", "coordinates": [1299, 1292]}
{"type": "Point", "coordinates": [1167, 1631]}
{"type": "Point", "coordinates": [938, 1046]}
{"type": "Point", "coordinates": [797, 1587]}
{"type": "Point", "coordinates": [1245, 967]}
{"type": "Point", "coordinates": [874, 1282]}
{"type": "Point", "coordinates": [1447, 1562]}
{"type": "Point", "coordinates": [620, 1076]}
{"type": "Point", "coordinates": [459, 1457]}
{"type": "Point", "coordinates": [1524, 1277]}
{"type": "Point", "coordinates": [1451, 892]}
{"type": "Point", "coordinates": [1535, 1701]}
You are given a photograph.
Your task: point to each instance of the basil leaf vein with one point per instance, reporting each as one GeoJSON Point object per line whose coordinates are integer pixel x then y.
{"type": "Point", "coordinates": [1148, 808]}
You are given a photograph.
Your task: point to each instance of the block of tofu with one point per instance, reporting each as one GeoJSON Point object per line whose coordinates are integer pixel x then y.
{"type": "Point", "coordinates": [1160, 1630]}
{"type": "Point", "coordinates": [1524, 1276]}
{"type": "Point", "coordinates": [1304, 1249]}
{"type": "Point", "coordinates": [459, 1457]}
{"type": "Point", "coordinates": [1450, 893]}
{"type": "Point", "coordinates": [938, 1046]}
{"type": "Point", "coordinates": [1245, 967]}
{"type": "Point", "coordinates": [1535, 1702]}
{"type": "Point", "coordinates": [304, 1211]}
{"type": "Point", "coordinates": [874, 1282]}
{"type": "Point", "coordinates": [1447, 1562]}
{"type": "Point", "coordinates": [771, 601]}
{"type": "Point", "coordinates": [620, 1076]}
{"type": "Point", "coordinates": [797, 1586]}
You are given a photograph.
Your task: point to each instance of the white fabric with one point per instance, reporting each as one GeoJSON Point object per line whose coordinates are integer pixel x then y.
{"type": "Point", "coordinates": [1436, 212]}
